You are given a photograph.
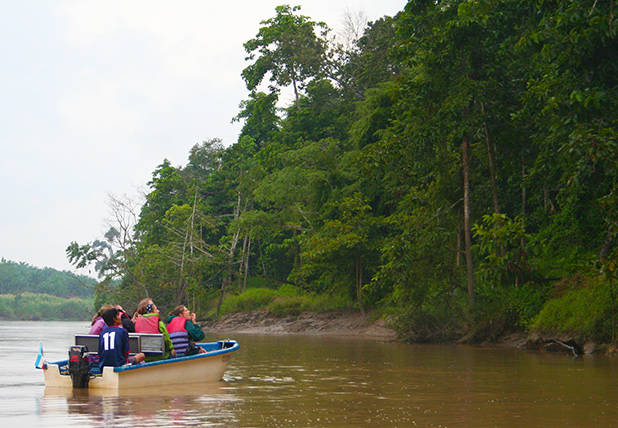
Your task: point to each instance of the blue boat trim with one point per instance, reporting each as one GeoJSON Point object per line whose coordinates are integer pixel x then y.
{"type": "Point", "coordinates": [218, 350]}
{"type": "Point", "coordinates": [212, 349]}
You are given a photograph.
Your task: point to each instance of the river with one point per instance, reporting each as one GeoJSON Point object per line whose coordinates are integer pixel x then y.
{"type": "Point", "coordinates": [309, 381]}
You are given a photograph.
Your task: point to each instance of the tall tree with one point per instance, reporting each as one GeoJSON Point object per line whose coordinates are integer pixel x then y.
{"type": "Point", "coordinates": [288, 48]}
{"type": "Point", "coordinates": [571, 98]}
{"type": "Point", "coordinates": [259, 113]}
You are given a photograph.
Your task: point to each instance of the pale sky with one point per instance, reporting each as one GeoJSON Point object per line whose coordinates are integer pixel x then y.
{"type": "Point", "coordinates": [95, 94]}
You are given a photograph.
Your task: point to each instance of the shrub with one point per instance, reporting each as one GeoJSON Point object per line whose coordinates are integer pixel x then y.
{"type": "Point", "coordinates": [327, 303]}
{"type": "Point", "coordinates": [288, 290]}
{"type": "Point", "coordinates": [249, 300]}
{"type": "Point", "coordinates": [502, 310]}
{"type": "Point", "coordinates": [283, 306]}
{"type": "Point", "coordinates": [286, 300]}
{"type": "Point", "coordinates": [586, 313]}
{"type": "Point", "coordinates": [440, 318]}
{"type": "Point", "coordinates": [7, 310]}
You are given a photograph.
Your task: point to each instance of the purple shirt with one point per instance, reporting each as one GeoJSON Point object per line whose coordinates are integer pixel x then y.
{"type": "Point", "coordinates": [98, 326]}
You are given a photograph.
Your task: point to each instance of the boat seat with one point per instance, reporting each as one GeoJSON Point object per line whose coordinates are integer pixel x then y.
{"type": "Point", "coordinates": [90, 341]}
{"type": "Point", "coordinates": [150, 344]}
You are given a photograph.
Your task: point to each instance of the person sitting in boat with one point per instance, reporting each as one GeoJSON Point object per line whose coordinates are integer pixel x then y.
{"type": "Point", "coordinates": [98, 324]}
{"type": "Point", "coordinates": [114, 342]}
{"type": "Point", "coordinates": [184, 330]}
{"type": "Point", "coordinates": [127, 323]}
{"type": "Point", "coordinates": [147, 321]}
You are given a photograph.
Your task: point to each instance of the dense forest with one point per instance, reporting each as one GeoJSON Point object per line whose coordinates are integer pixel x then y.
{"type": "Point", "coordinates": [452, 169]}
{"type": "Point", "coordinates": [31, 293]}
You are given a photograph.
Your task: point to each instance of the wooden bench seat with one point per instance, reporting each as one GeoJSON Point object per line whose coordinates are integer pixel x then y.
{"type": "Point", "coordinates": [149, 344]}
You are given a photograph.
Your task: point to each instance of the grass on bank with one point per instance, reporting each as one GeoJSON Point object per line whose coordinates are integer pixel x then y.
{"type": "Point", "coordinates": [284, 301]}
{"type": "Point", "coordinates": [588, 312]}
{"type": "Point", "coordinates": [36, 307]}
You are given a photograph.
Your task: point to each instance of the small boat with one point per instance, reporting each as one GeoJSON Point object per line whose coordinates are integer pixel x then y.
{"type": "Point", "coordinates": [199, 368]}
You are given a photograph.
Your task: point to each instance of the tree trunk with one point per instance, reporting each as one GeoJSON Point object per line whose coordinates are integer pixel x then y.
{"type": "Point", "coordinates": [492, 168]}
{"type": "Point", "coordinates": [221, 294]}
{"type": "Point", "coordinates": [181, 291]}
{"type": "Point", "coordinates": [523, 198]}
{"type": "Point", "coordinates": [227, 276]}
{"type": "Point", "coordinates": [296, 100]}
{"type": "Point", "coordinates": [467, 228]}
{"type": "Point", "coordinates": [458, 249]}
{"type": "Point", "coordinates": [180, 286]}
{"type": "Point", "coordinates": [241, 265]}
{"type": "Point", "coordinates": [244, 281]}
{"type": "Point", "coordinates": [492, 178]}
{"type": "Point", "coordinates": [358, 268]}
{"type": "Point", "coordinates": [264, 272]}
{"type": "Point", "coordinates": [607, 243]}
{"type": "Point", "coordinates": [523, 187]}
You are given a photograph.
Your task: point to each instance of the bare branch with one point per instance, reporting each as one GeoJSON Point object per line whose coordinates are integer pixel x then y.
{"type": "Point", "coordinates": [354, 24]}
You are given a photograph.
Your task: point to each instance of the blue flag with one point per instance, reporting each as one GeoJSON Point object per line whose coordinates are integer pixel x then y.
{"type": "Point", "coordinates": [40, 362]}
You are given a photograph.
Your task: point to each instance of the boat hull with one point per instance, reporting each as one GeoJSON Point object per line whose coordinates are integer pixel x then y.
{"type": "Point", "coordinates": [200, 368]}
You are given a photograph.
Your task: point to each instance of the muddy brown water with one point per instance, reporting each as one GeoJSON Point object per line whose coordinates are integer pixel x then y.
{"type": "Point", "coordinates": [310, 381]}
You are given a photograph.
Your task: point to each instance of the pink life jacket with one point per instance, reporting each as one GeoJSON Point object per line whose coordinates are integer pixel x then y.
{"type": "Point", "coordinates": [179, 335]}
{"type": "Point", "coordinates": [177, 324]}
{"type": "Point", "coordinates": [149, 324]}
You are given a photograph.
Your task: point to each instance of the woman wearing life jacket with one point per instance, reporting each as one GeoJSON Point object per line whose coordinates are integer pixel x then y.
{"type": "Point", "coordinates": [98, 323]}
{"type": "Point", "coordinates": [147, 320]}
{"type": "Point", "coordinates": [183, 330]}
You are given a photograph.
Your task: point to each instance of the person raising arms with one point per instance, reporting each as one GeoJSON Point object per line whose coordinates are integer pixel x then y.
{"type": "Point", "coordinates": [147, 320]}
{"type": "Point", "coordinates": [127, 323]}
{"type": "Point", "coordinates": [183, 331]}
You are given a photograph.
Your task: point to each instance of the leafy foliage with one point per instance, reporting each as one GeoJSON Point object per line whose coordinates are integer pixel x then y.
{"type": "Point", "coordinates": [586, 313]}
{"type": "Point", "coordinates": [18, 278]}
{"type": "Point", "coordinates": [36, 307]}
{"type": "Point", "coordinates": [446, 171]}
{"type": "Point", "coordinates": [288, 49]}
{"type": "Point", "coordinates": [287, 300]}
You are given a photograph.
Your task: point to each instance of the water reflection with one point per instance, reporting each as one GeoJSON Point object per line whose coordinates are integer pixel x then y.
{"type": "Point", "coordinates": [184, 405]}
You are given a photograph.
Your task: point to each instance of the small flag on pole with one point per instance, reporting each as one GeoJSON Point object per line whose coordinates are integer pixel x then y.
{"type": "Point", "coordinates": [40, 362]}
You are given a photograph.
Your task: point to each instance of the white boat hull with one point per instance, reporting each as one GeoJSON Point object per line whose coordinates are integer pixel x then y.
{"type": "Point", "coordinates": [200, 368]}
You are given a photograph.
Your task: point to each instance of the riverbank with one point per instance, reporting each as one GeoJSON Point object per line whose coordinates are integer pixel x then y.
{"type": "Point", "coordinates": [352, 324]}
{"type": "Point", "coordinates": [330, 323]}
{"type": "Point", "coordinates": [44, 307]}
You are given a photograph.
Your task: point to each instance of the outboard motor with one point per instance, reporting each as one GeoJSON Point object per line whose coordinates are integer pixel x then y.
{"type": "Point", "coordinates": [79, 366]}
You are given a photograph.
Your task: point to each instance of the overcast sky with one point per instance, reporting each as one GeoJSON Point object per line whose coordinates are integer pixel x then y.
{"type": "Point", "coordinates": [95, 94]}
